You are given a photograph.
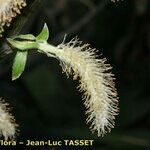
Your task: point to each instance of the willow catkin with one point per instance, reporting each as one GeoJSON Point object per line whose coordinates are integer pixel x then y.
{"type": "Point", "coordinates": [8, 10]}
{"type": "Point", "coordinates": [96, 82]}
{"type": "Point", "coordinates": [7, 122]}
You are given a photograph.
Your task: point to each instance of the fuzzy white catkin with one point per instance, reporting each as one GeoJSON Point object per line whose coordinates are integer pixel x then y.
{"type": "Point", "coordinates": [7, 122]}
{"type": "Point", "coordinates": [8, 10]}
{"type": "Point", "coordinates": [96, 82]}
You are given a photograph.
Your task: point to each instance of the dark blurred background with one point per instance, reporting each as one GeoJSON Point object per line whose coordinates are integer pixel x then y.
{"type": "Point", "coordinates": [47, 105]}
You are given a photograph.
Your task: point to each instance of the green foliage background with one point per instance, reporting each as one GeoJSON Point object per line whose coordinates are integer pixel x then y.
{"type": "Point", "coordinates": [47, 105]}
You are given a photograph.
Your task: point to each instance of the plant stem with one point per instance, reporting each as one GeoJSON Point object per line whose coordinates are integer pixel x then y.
{"type": "Point", "coordinates": [48, 49]}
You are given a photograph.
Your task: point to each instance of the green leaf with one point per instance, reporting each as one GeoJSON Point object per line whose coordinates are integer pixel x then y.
{"type": "Point", "coordinates": [44, 35]}
{"type": "Point", "coordinates": [26, 37]}
{"type": "Point", "coordinates": [22, 45]}
{"type": "Point", "coordinates": [19, 64]}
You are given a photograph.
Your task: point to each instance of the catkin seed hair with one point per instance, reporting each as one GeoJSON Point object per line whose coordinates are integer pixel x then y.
{"type": "Point", "coordinates": [8, 10]}
{"type": "Point", "coordinates": [96, 82]}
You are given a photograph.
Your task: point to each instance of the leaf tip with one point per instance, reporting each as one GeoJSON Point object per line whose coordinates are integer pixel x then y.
{"type": "Point", "coordinates": [44, 35]}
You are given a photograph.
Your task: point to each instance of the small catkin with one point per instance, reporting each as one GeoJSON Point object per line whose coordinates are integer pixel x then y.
{"type": "Point", "coordinates": [96, 82]}
{"type": "Point", "coordinates": [8, 10]}
{"type": "Point", "coordinates": [7, 122]}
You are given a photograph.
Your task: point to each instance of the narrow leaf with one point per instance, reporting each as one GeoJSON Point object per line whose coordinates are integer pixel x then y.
{"type": "Point", "coordinates": [19, 64]}
{"type": "Point", "coordinates": [26, 37]}
{"type": "Point", "coordinates": [22, 45]}
{"type": "Point", "coordinates": [44, 35]}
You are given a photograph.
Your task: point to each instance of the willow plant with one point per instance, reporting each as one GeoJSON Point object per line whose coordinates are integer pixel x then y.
{"type": "Point", "coordinates": [79, 60]}
{"type": "Point", "coordinates": [96, 82]}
